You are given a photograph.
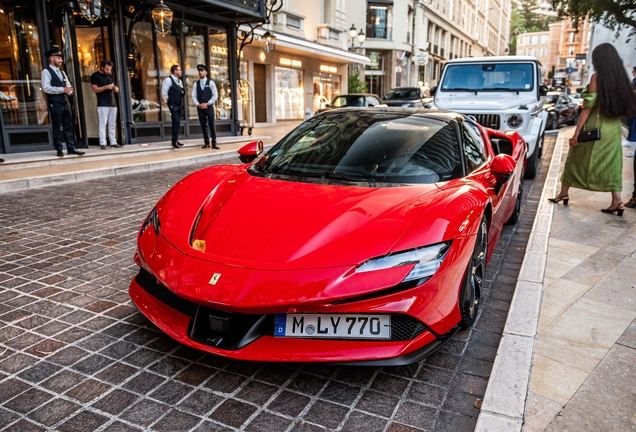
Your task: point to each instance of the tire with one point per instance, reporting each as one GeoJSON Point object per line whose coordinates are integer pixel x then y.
{"type": "Point", "coordinates": [532, 164]}
{"type": "Point", "coordinates": [473, 284]}
{"type": "Point", "coordinates": [554, 124]}
{"type": "Point", "coordinates": [514, 217]}
{"type": "Point", "coordinates": [540, 142]}
{"type": "Point", "coordinates": [574, 121]}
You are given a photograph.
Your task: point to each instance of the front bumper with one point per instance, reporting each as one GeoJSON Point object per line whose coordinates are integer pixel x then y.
{"type": "Point", "coordinates": [181, 319]}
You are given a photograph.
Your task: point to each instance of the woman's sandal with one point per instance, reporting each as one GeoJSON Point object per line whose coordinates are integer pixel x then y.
{"type": "Point", "coordinates": [557, 199]}
{"type": "Point", "coordinates": [619, 209]}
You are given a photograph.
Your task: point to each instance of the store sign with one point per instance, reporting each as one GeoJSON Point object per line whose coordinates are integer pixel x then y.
{"type": "Point", "coordinates": [421, 58]}
{"type": "Point", "coordinates": [328, 69]}
{"type": "Point", "coordinates": [289, 62]}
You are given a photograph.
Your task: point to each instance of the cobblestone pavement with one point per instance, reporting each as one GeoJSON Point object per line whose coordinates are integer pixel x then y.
{"type": "Point", "coordinates": [75, 355]}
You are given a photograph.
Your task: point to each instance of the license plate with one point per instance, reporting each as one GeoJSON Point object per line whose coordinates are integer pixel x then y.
{"type": "Point", "coordinates": [333, 326]}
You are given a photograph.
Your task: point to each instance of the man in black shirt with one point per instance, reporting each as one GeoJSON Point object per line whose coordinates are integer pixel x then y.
{"type": "Point", "coordinates": [104, 87]}
{"type": "Point", "coordinates": [204, 94]}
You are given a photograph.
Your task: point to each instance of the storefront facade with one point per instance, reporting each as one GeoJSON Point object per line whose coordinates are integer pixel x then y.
{"type": "Point", "coordinates": [202, 32]}
{"type": "Point", "coordinates": [297, 79]}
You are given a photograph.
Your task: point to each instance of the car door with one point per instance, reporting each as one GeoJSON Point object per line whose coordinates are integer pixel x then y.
{"type": "Point", "coordinates": [476, 152]}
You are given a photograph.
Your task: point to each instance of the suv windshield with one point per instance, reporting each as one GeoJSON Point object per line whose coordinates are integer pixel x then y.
{"type": "Point", "coordinates": [365, 147]}
{"type": "Point", "coordinates": [403, 94]}
{"type": "Point", "coordinates": [489, 77]}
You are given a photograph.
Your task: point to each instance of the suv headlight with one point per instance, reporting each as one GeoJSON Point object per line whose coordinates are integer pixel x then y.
{"type": "Point", "coordinates": [514, 121]}
{"type": "Point", "coordinates": [426, 259]}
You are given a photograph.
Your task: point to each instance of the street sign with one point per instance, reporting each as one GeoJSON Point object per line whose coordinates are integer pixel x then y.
{"type": "Point", "coordinates": [421, 58]}
{"type": "Point", "coordinates": [569, 70]}
{"type": "Point", "coordinates": [580, 57]}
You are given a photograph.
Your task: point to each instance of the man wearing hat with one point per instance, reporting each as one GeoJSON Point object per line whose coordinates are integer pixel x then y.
{"type": "Point", "coordinates": [58, 88]}
{"type": "Point", "coordinates": [172, 92]}
{"type": "Point", "coordinates": [204, 95]}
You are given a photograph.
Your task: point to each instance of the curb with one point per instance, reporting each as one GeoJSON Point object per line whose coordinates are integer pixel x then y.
{"type": "Point", "coordinates": [504, 403]}
{"type": "Point", "coordinates": [79, 176]}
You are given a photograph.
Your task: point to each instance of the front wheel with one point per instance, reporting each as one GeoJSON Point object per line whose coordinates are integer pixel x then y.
{"type": "Point", "coordinates": [473, 284]}
{"type": "Point", "coordinates": [532, 163]}
{"type": "Point", "coordinates": [514, 217]}
{"type": "Point", "coordinates": [554, 123]}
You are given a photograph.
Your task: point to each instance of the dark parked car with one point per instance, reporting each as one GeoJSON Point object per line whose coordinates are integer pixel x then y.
{"type": "Point", "coordinates": [407, 97]}
{"type": "Point", "coordinates": [354, 100]}
{"type": "Point", "coordinates": [561, 110]}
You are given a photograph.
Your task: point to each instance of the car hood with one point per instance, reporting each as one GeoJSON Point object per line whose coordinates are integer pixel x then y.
{"type": "Point", "coordinates": [400, 102]}
{"type": "Point", "coordinates": [272, 224]}
{"type": "Point", "coordinates": [484, 101]}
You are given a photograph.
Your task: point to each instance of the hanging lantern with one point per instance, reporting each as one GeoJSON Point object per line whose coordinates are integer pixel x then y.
{"type": "Point", "coordinates": [270, 42]}
{"type": "Point", "coordinates": [162, 18]}
{"type": "Point", "coordinates": [91, 9]}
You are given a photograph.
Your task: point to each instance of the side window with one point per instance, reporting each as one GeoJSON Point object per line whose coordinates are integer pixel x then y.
{"type": "Point", "coordinates": [372, 101]}
{"type": "Point", "coordinates": [474, 150]}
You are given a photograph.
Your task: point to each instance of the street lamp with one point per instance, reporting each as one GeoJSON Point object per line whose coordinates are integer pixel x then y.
{"type": "Point", "coordinates": [91, 9]}
{"type": "Point", "coordinates": [270, 42]}
{"type": "Point", "coordinates": [162, 18]}
{"type": "Point", "coordinates": [353, 32]}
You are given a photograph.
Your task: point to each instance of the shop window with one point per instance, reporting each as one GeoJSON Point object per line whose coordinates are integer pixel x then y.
{"type": "Point", "coordinates": [21, 96]}
{"type": "Point", "coordinates": [379, 20]}
{"type": "Point", "coordinates": [326, 87]}
{"type": "Point", "coordinates": [289, 94]}
{"type": "Point", "coordinates": [145, 86]}
{"type": "Point", "coordinates": [219, 73]}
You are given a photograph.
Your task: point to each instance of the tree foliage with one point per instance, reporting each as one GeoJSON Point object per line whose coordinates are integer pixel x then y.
{"type": "Point", "coordinates": [613, 14]}
{"type": "Point", "coordinates": [517, 27]}
{"type": "Point", "coordinates": [356, 85]}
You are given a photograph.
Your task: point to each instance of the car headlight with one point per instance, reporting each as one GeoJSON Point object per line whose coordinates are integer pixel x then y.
{"type": "Point", "coordinates": [152, 219]}
{"type": "Point", "coordinates": [515, 121]}
{"type": "Point", "coordinates": [426, 259]}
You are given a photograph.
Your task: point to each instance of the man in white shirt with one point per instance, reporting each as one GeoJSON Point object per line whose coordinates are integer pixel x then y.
{"type": "Point", "coordinates": [172, 93]}
{"type": "Point", "coordinates": [58, 88]}
{"type": "Point", "coordinates": [204, 94]}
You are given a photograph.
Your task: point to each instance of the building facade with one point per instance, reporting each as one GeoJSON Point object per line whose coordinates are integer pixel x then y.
{"type": "Point", "coordinates": [201, 32]}
{"type": "Point", "coordinates": [408, 42]}
{"type": "Point", "coordinates": [568, 50]}
{"type": "Point", "coordinates": [536, 44]}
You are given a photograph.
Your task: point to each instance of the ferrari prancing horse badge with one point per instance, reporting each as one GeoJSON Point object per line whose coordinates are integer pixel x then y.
{"type": "Point", "coordinates": [215, 278]}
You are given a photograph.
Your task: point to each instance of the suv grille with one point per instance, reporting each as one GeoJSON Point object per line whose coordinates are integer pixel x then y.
{"type": "Point", "coordinates": [492, 121]}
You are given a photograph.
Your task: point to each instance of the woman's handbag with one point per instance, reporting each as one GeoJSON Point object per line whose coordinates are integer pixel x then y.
{"type": "Point", "coordinates": [590, 134]}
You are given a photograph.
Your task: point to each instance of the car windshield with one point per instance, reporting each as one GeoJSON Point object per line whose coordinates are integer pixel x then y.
{"type": "Point", "coordinates": [489, 77]}
{"type": "Point", "coordinates": [348, 100]}
{"type": "Point", "coordinates": [401, 94]}
{"type": "Point", "coordinates": [365, 147]}
{"type": "Point", "coordinates": [552, 98]}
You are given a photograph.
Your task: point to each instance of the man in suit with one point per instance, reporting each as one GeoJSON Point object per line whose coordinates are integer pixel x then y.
{"type": "Point", "coordinates": [204, 94]}
{"type": "Point", "coordinates": [172, 92]}
{"type": "Point", "coordinates": [57, 87]}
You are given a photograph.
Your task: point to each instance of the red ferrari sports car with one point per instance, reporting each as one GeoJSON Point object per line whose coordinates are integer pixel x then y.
{"type": "Point", "coordinates": [362, 237]}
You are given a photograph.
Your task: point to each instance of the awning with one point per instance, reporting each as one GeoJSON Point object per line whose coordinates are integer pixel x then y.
{"type": "Point", "coordinates": [289, 44]}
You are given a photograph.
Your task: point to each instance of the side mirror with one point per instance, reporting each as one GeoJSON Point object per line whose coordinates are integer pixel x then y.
{"type": "Point", "coordinates": [250, 151]}
{"type": "Point", "coordinates": [327, 105]}
{"type": "Point", "coordinates": [543, 90]}
{"type": "Point", "coordinates": [433, 90]}
{"type": "Point", "coordinates": [502, 167]}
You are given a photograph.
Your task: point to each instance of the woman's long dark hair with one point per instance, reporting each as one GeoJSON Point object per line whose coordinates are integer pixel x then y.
{"type": "Point", "coordinates": [616, 94]}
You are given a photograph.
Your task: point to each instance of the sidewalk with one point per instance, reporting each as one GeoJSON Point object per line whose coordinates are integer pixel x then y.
{"type": "Point", "coordinates": [35, 169]}
{"type": "Point", "coordinates": [567, 357]}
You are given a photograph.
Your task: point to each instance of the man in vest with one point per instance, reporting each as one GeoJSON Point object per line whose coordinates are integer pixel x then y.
{"type": "Point", "coordinates": [172, 92]}
{"type": "Point", "coordinates": [204, 95]}
{"type": "Point", "coordinates": [57, 88]}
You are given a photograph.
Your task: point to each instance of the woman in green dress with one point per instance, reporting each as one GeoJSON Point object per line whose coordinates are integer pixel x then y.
{"type": "Point", "coordinates": [598, 165]}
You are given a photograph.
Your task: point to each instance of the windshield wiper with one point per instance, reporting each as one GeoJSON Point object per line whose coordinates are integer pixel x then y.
{"type": "Point", "coordinates": [344, 176]}
{"type": "Point", "coordinates": [504, 89]}
{"type": "Point", "coordinates": [461, 89]}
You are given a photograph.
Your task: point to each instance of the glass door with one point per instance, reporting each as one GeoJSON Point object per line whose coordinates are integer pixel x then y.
{"type": "Point", "coordinates": [93, 46]}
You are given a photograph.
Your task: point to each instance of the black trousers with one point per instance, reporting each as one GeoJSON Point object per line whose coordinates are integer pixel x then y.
{"type": "Point", "coordinates": [206, 119]}
{"type": "Point", "coordinates": [175, 113]}
{"type": "Point", "coordinates": [60, 114]}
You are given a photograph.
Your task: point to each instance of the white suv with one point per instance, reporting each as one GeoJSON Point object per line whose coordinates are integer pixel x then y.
{"type": "Point", "coordinates": [502, 93]}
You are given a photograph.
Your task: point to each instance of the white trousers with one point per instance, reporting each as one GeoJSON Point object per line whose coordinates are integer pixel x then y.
{"type": "Point", "coordinates": [107, 115]}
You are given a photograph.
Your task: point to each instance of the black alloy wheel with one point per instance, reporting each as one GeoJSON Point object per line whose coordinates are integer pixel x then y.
{"type": "Point", "coordinates": [555, 122]}
{"type": "Point", "coordinates": [474, 280]}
